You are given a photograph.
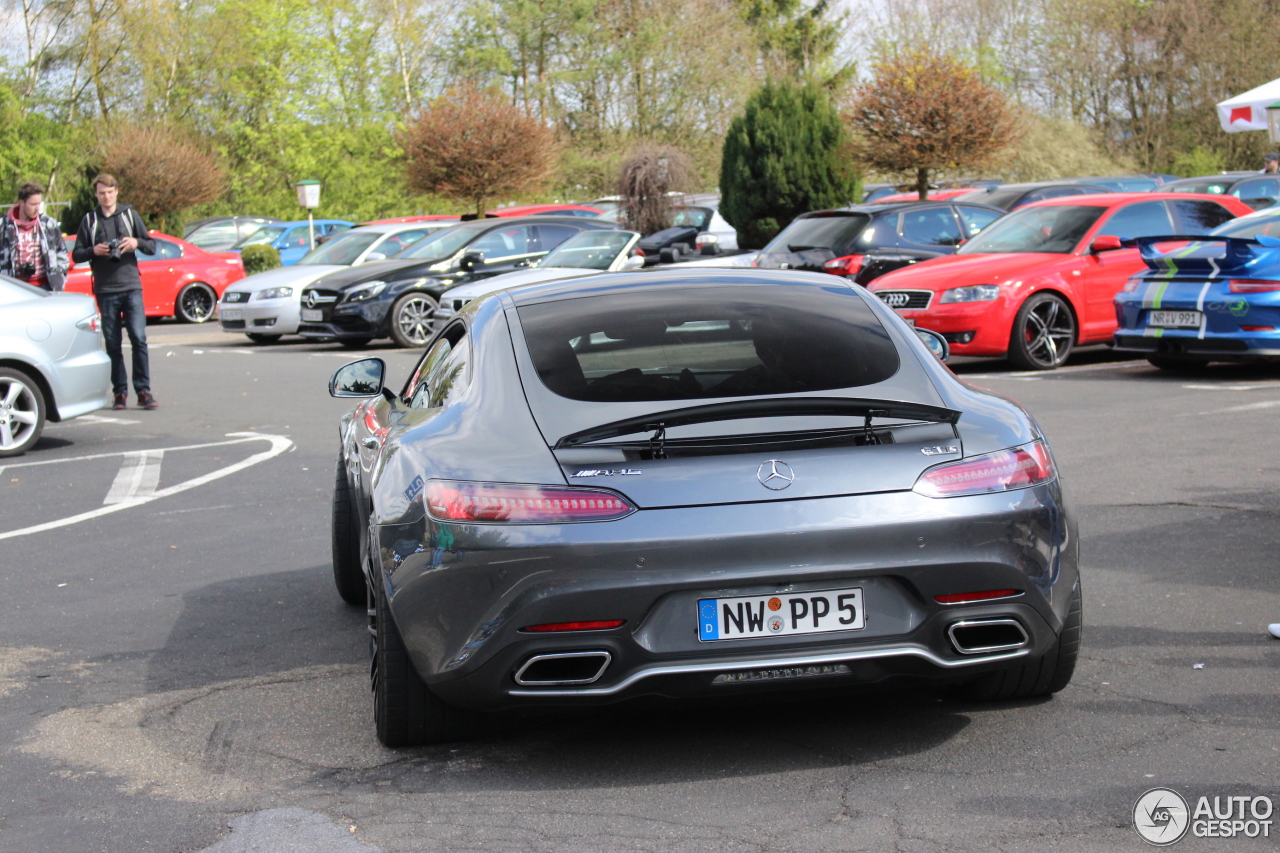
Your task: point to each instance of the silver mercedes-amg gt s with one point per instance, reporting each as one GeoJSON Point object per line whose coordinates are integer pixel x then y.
{"type": "Point", "coordinates": [692, 483]}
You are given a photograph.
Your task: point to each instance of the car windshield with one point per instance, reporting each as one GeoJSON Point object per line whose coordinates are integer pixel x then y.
{"type": "Point", "coordinates": [266, 234]}
{"type": "Point", "coordinates": [1248, 226]}
{"type": "Point", "coordinates": [443, 244]}
{"type": "Point", "coordinates": [1125, 185]}
{"type": "Point", "coordinates": [698, 342]}
{"type": "Point", "coordinates": [691, 217]}
{"type": "Point", "coordinates": [1001, 198]}
{"type": "Point", "coordinates": [832, 232]}
{"type": "Point", "coordinates": [1056, 229]}
{"type": "Point", "coordinates": [340, 251]}
{"type": "Point", "coordinates": [1212, 186]}
{"type": "Point", "coordinates": [595, 250]}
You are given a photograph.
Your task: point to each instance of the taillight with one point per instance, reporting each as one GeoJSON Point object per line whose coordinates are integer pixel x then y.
{"type": "Point", "coordinates": [514, 503]}
{"type": "Point", "coordinates": [1247, 285]}
{"type": "Point", "coordinates": [1005, 470]}
{"type": "Point", "coordinates": [965, 597]}
{"type": "Point", "coordinates": [601, 625]}
{"type": "Point", "coordinates": [848, 265]}
{"type": "Point", "coordinates": [1131, 285]}
{"type": "Point", "coordinates": [91, 324]}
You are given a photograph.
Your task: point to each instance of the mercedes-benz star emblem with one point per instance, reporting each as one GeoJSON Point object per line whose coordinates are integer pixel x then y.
{"type": "Point", "coordinates": [775, 474]}
{"type": "Point", "coordinates": [311, 299]}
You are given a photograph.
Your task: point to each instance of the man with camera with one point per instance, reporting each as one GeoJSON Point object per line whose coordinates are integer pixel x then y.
{"type": "Point", "coordinates": [31, 244]}
{"type": "Point", "coordinates": [109, 237]}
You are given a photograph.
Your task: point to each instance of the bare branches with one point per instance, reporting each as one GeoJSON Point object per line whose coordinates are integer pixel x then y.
{"type": "Point", "coordinates": [647, 176]}
{"type": "Point", "coordinates": [473, 145]}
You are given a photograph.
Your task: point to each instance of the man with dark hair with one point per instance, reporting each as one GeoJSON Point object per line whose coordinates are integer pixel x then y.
{"type": "Point", "coordinates": [31, 244]}
{"type": "Point", "coordinates": [1270, 163]}
{"type": "Point", "coordinates": [109, 237]}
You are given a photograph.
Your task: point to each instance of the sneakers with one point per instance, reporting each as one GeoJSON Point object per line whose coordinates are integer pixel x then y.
{"type": "Point", "coordinates": [146, 401]}
{"type": "Point", "coordinates": [121, 401]}
{"type": "Point", "coordinates": [1274, 628]}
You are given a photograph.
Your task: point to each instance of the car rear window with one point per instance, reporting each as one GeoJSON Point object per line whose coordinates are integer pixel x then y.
{"type": "Point", "coordinates": [707, 342]}
{"type": "Point", "coordinates": [818, 232]}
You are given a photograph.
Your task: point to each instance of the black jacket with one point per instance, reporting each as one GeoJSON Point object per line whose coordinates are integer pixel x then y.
{"type": "Point", "coordinates": [112, 275]}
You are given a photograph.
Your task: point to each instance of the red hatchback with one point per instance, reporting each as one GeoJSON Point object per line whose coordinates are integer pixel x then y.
{"type": "Point", "coordinates": [180, 280]}
{"type": "Point", "coordinates": [1040, 280]}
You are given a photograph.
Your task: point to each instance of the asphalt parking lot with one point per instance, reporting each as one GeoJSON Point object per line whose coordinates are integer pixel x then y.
{"type": "Point", "coordinates": [178, 674]}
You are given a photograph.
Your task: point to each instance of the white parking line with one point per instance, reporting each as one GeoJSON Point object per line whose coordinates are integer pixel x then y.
{"type": "Point", "coordinates": [100, 419]}
{"type": "Point", "coordinates": [138, 477]}
{"type": "Point", "coordinates": [279, 444]}
{"type": "Point", "coordinates": [256, 436]}
{"type": "Point", "coordinates": [1248, 407]}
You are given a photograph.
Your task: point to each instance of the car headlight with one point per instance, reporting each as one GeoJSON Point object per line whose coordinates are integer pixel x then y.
{"type": "Point", "coordinates": [972, 293]}
{"type": "Point", "coordinates": [365, 292]}
{"type": "Point", "coordinates": [273, 293]}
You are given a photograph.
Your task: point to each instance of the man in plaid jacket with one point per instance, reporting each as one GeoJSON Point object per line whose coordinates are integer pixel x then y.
{"type": "Point", "coordinates": [31, 244]}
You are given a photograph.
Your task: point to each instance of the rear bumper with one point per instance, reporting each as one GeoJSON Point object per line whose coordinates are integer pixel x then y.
{"type": "Point", "coordinates": [461, 608]}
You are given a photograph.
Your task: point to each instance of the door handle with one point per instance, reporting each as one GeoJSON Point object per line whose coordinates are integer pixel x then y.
{"type": "Point", "coordinates": [370, 442]}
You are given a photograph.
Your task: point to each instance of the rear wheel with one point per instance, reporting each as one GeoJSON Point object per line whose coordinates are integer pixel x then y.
{"type": "Point", "coordinates": [1043, 333]}
{"type": "Point", "coordinates": [195, 303]}
{"type": "Point", "coordinates": [1042, 676]}
{"type": "Point", "coordinates": [22, 412]}
{"type": "Point", "coordinates": [348, 575]}
{"type": "Point", "coordinates": [259, 338]}
{"type": "Point", "coordinates": [1178, 364]}
{"type": "Point", "coordinates": [411, 319]}
{"type": "Point", "coordinates": [405, 711]}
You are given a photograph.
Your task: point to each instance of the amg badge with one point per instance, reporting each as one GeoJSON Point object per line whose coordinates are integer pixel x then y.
{"type": "Point", "coordinates": [607, 472]}
{"type": "Point", "coordinates": [940, 450]}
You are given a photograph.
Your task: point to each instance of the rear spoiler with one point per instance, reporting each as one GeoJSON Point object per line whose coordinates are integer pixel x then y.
{"type": "Point", "coordinates": [1201, 255]}
{"type": "Point", "coordinates": [768, 407]}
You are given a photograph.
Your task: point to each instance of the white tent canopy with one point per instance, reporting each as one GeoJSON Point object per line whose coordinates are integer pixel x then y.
{"type": "Point", "coordinates": [1249, 111]}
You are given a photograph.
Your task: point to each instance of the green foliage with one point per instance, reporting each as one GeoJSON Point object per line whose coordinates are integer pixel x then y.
{"type": "Point", "coordinates": [786, 154]}
{"type": "Point", "coordinates": [1060, 148]}
{"type": "Point", "coordinates": [259, 258]}
{"type": "Point", "coordinates": [1199, 161]}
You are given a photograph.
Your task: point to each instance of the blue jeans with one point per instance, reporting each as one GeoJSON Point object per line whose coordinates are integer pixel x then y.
{"type": "Point", "coordinates": [125, 311]}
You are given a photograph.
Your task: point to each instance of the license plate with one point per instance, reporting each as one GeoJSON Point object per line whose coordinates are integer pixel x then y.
{"type": "Point", "coordinates": [312, 315]}
{"type": "Point", "coordinates": [780, 615]}
{"type": "Point", "coordinates": [1175, 319]}
{"type": "Point", "coordinates": [231, 313]}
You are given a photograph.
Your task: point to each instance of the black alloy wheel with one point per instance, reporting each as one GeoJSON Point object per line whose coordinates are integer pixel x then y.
{"type": "Point", "coordinates": [348, 575]}
{"type": "Point", "coordinates": [195, 303]}
{"type": "Point", "coordinates": [1044, 331]}
{"type": "Point", "coordinates": [405, 711]}
{"type": "Point", "coordinates": [1042, 676]}
{"type": "Point", "coordinates": [22, 412]}
{"type": "Point", "coordinates": [411, 319]}
{"type": "Point", "coordinates": [259, 338]}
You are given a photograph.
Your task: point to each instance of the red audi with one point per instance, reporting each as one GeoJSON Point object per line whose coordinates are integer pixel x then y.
{"type": "Point", "coordinates": [1040, 281]}
{"type": "Point", "coordinates": [180, 280]}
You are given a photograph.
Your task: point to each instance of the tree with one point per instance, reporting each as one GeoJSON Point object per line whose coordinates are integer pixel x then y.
{"type": "Point", "coordinates": [925, 112]}
{"type": "Point", "coordinates": [786, 154]}
{"type": "Point", "coordinates": [649, 174]}
{"type": "Point", "coordinates": [472, 145]}
{"type": "Point", "coordinates": [162, 170]}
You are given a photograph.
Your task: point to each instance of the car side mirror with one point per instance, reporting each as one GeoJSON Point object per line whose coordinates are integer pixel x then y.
{"type": "Point", "coordinates": [634, 262]}
{"type": "Point", "coordinates": [375, 256]}
{"type": "Point", "coordinates": [361, 378]}
{"type": "Point", "coordinates": [936, 343]}
{"type": "Point", "coordinates": [471, 260]}
{"type": "Point", "coordinates": [1105, 243]}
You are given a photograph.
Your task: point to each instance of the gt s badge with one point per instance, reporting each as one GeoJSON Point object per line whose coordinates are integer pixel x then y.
{"type": "Point", "coordinates": [607, 472]}
{"type": "Point", "coordinates": [939, 450]}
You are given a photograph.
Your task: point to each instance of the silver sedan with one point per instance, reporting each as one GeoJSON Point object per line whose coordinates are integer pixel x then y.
{"type": "Point", "coordinates": [53, 365]}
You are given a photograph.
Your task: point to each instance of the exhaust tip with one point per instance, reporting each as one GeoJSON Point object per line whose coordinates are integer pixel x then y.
{"type": "Point", "coordinates": [985, 636]}
{"type": "Point", "coordinates": [563, 668]}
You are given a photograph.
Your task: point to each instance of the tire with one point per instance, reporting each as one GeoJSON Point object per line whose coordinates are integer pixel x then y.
{"type": "Point", "coordinates": [411, 319]}
{"type": "Point", "coordinates": [1044, 331]}
{"type": "Point", "coordinates": [22, 412]}
{"type": "Point", "coordinates": [354, 343]}
{"type": "Point", "coordinates": [1178, 364]}
{"type": "Point", "coordinates": [1042, 676]}
{"type": "Point", "coordinates": [195, 303]}
{"type": "Point", "coordinates": [405, 711]}
{"type": "Point", "coordinates": [259, 338]}
{"type": "Point", "coordinates": [348, 574]}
